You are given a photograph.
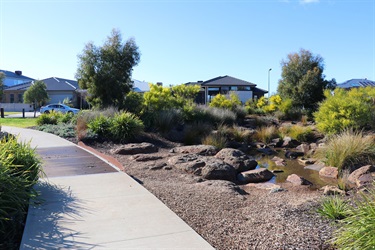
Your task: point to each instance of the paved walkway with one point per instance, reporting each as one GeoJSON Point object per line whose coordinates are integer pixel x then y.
{"type": "Point", "coordinates": [89, 204]}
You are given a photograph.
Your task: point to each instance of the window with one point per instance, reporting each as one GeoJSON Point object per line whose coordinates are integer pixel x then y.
{"type": "Point", "coordinates": [20, 98]}
{"type": "Point", "coordinates": [11, 98]}
{"type": "Point", "coordinates": [244, 88]}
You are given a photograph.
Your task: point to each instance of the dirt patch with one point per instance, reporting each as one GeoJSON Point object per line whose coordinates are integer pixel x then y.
{"type": "Point", "coordinates": [230, 216]}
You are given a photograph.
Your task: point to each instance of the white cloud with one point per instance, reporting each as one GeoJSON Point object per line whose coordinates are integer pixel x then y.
{"type": "Point", "coordinates": [308, 1]}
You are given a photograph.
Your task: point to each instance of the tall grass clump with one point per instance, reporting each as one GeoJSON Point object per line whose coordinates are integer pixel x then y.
{"type": "Point", "coordinates": [334, 208]}
{"type": "Point", "coordinates": [19, 171]}
{"type": "Point", "coordinates": [125, 126]}
{"type": "Point", "coordinates": [298, 132]}
{"type": "Point", "coordinates": [217, 140]}
{"type": "Point", "coordinates": [357, 231]}
{"type": "Point", "coordinates": [349, 149]}
{"type": "Point", "coordinates": [196, 131]}
{"type": "Point", "coordinates": [165, 120]}
{"type": "Point", "coordinates": [266, 134]}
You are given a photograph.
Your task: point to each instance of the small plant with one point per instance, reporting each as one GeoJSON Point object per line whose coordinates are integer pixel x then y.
{"type": "Point", "coordinates": [240, 134]}
{"type": "Point", "coordinates": [215, 139]}
{"type": "Point", "coordinates": [301, 133]}
{"type": "Point", "coordinates": [334, 208]}
{"type": "Point", "coordinates": [51, 118]}
{"type": "Point", "coordinates": [348, 150]}
{"type": "Point", "coordinates": [193, 133]}
{"type": "Point", "coordinates": [165, 120]}
{"type": "Point", "coordinates": [101, 126]}
{"type": "Point", "coordinates": [125, 126]}
{"type": "Point", "coordinates": [343, 182]}
{"type": "Point", "coordinates": [357, 230]}
{"type": "Point", "coordinates": [266, 134]}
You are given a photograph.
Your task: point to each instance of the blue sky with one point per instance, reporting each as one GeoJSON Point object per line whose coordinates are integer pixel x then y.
{"type": "Point", "coordinates": [182, 41]}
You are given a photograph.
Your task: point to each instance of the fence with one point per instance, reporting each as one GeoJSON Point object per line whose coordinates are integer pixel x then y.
{"type": "Point", "coordinates": [16, 107]}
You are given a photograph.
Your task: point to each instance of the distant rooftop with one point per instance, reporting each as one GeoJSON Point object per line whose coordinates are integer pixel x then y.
{"type": "Point", "coordinates": [356, 83]}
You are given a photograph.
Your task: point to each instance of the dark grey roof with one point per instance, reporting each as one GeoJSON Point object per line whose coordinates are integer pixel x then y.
{"type": "Point", "coordinates": [52, 83]}
{"type": "Point", "coordinates": [226, 81]}
{"type": "Point", "coordinates": [355, 83]}
{"type": "Point", "coordinates": [11, 74]}
{"type": "Point", "coordinates": [259, 90]}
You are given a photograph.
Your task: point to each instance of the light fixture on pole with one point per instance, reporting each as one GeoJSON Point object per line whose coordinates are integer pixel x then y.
{"type": "Point", "coordinates": [269, 82]}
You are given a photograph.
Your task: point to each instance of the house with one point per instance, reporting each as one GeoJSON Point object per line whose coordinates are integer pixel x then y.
{"type": "Point", "coordinates": [58, 90]}
{"type": "Point", "coordinates": [14, 78]}
{"type": "Point", "coordinates": [356, 83]}
{"type": "Point", "coordinates": [225, 84]}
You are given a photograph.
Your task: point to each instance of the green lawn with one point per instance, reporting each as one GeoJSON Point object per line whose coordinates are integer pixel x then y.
{"type": "Point", "coordinates": [11, 113]}
{"type": "Point", "coordinates": [18, 122]}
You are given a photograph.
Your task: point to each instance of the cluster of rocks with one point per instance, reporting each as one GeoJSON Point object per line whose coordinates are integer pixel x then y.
{"type": "Point", "coordinates": [233, 165]}
{"type": "Point", "coordinates": [203, 160]}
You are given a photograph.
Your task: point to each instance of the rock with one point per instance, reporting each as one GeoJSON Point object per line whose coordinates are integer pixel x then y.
{"type": "Point", "coordinates": [277, 142]}
{"type": "Point", "coordinates": [240, 161]}
{"type": "Point", "coordinates": [255, 176]}
{"type": "Point", "coordinates": [221, 186]}
{"type": "Point", "coordinates": [145, 157]}
{"type": "Point", "coordinates": [280, 162]}
{"type": "Point", "coordinates": [293, 155]}
{"type": "Point", "coordinates": [158, 166]}
{"type": "Point", "coordinates": [313, 146]}
{"type": "Point", "coordinates": [297, 180]}
{"type": "Point", "coordinates": [332, 190]}
{"type": "Point", "coordinates": [216, 169]}
{"type": "Point", "coordinates": [135, 148]}
{"type": "Point", "coordinates": [195, 149]}
{"type": "Point", "coordinates": [316, 167]}
{"type": "Point", "coordinates": [263, 185]}
{"type": "Point", "coordinates": [329, 172]}
{"type": "Point", "coordinates": [266, 151]}
{"type": "Point", "coordinates": [304, 148]}
{"type": "Point", "coordinates": [306, 161]}
{"type": "Point", "coordinates": [191, 163]}
{"type": "Point", "coordinates": [290, 143]}
{"type": "Point", "coordinates": [362, 176]}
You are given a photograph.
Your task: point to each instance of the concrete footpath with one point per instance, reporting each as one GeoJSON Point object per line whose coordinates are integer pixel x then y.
{"type": "Point", "coordinates": [89, 204]}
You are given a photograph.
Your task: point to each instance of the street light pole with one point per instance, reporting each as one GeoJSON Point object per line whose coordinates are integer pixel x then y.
{"type": "Point", "coordinates": [269, 82]}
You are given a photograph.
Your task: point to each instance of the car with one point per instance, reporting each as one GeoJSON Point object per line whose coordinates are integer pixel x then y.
{"type": "Point", "coordinates": [58, 108]}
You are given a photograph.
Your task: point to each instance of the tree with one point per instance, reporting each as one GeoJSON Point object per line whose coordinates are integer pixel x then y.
{"type": "Point", "coordinates": [2, 77]}
{"type": "Point", "coordinates": [303, 80]}
{"type": "Point", "coordinates": [36, 94]}
{"type": "Point", "coordinates": [106, 71]}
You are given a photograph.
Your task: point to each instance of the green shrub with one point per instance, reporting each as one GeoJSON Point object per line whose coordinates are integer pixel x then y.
{"type": "Point", "coordinates": [134, 102]}
{"type": "Point", "coordinates": [346, 109]}
{"type": "Point", "coordinates": [125, 126]}
{"type": "Point", "coordinates": [51, 118]}
{"type": "Point", "coordinates": [101, 126]}
{"type": "Point", "coordinates": [266, 134]}
{"type": "Point", "coordinates": [348, 150]}
{"type": "Point", "coordinates": [62, 129]}
{"type": "Point", "coordinates": [19, 171]}
{"type": "Point", "coordinates": [222, 101]}
{"type": "Point", "coordinates": [357, 230]}
{"type": "Point", "coordinates": [165, 120]}
{"type": "Point", "coordinates": [334, 208]}
{"type": "Point", "coordinates": [298, 132]}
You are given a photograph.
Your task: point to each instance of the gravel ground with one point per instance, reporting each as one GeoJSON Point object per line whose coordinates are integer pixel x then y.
{"type": "Point", "coordinates": [230, 216]}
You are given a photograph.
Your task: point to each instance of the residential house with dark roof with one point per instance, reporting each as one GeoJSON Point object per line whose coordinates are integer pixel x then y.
{"type": "Point", "coordinates": [14, 78]}
{"type": "Point", "coordinates": [356, 83]}
{"type": "Point", "coordinates": [58, 89]}
{"type": "Point", "coordinates": [224, 85]}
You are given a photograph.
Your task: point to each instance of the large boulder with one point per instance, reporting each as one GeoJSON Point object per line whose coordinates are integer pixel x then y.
{"type": "Point", "coordinates": [196, 149]}
{"type": "Point", "coordinates": [216, 169]}
{"type": "Point", "coordinates": [329, 172]}
{"type": "Point", "coordinates": [191, 163]}
{"type": "Point", "coordinates": [297, 180]}
{"type": "Point", "coordinates": [239, 160]}
{"type": "Point", "coordinates": [362, 176]}
{"type": "Point", "coordinates": [255, 176]}
{"type": "Point", "coordinates": [135, 148]}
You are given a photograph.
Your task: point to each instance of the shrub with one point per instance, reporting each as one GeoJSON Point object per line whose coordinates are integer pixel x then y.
{"type": "Point", "coordinates": [238, 134]}
{"type": "Point", "coordinates": [301, 133]}
{"type": "Point", "coordinates": [222, 101]}
{"type": "Point", "coordinates": [165, 120]}
{"type": "Point", "coordinates": [215, 139]}
{"type": "Point", "coordinates": [19, 171]}
{"type": "Point", "coordinates": [334, 208]}
{"type": "Point", "coordinates": [134, 102]}
{"type": "Point", "coordinates": [125, 126]}
{"type": "Point", "coordinates": [62, 129]}
{"type": "Point", "coordinates": [194, 132]}
{"type": "Point", "coordinates": [101, 126]}
{"type": "Point", "coordinates": [348, 150]}
{"type": "Point", "coordinates": [357, 230]}
{"type": "Point", "coordinates": [266, 134]}
{"type": "Point", "coordinates": [346, 109]}
{"type": "Point", "coordinates": [51, 118]}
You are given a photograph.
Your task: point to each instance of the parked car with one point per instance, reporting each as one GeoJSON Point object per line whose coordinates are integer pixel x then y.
{"type": "Point", "coordinates": [58, 108]}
